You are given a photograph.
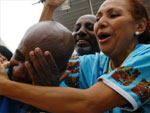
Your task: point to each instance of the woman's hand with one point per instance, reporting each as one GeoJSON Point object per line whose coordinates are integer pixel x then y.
{"type": "Point", "coordinates": [43, 70]}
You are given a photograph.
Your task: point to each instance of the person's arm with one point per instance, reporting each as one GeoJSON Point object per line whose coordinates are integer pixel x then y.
{"type": "Point", "coordinates": [97, 99]}
{"type": "Point", "coordinates": [59, 99]}
{"type": "Point", "coordinates": [49, 8]}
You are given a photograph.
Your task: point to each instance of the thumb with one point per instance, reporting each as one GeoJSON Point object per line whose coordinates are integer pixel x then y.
{"type": "Point", "coordinates": [64, 75]}
{"type": "Point", "coordinates": [7, 64]}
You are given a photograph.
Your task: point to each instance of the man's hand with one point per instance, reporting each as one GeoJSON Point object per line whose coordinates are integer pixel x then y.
{"type": "Point", "coordinates": [54, 3]}
{"type": "Point", "coordinates": [43, 70]}
{"type": "Point", "coordinates": [49, 8]}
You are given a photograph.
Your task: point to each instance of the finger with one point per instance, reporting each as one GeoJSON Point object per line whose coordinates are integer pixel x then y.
{"type": "Point", "coordinates": [43, 62]}
{"type": "Point", "coordinates": [7, 64]}
{"type": "Point", "coordinates": [36, 64]}
{"type": "Point", "coordinates": [3, 71]}
{"type": "Point", "coordinates": [44, 73]}
{"type": "Point", "coordinates": [1, 60]}
{"type": "Point", "coordinates": [31, 72]}
{"type": "Point", "coordinates": [51, 63]}
{"type": "Point", "coordinates": [64, 75]}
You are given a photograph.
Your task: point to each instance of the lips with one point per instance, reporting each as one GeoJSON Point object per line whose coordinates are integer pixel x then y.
{"type": "Point", "coordinates": [103, 37]}
{"type": "Point", "coordinates": [82, 42]}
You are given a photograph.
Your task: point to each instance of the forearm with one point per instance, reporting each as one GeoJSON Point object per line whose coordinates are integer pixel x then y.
{"type": "Point", "coordinates": [47, 12]}
{"type": "Point", "coordinates": [53, 99]}
{"type": "Point", "coordinates": [64, 100]}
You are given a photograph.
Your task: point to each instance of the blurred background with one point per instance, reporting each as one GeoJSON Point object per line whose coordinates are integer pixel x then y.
{"type": "Point", "coordinates": [16, 16]}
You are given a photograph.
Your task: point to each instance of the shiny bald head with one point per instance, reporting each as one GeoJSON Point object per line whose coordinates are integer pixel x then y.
{"type": "Point", "coordinates": [50, 36]}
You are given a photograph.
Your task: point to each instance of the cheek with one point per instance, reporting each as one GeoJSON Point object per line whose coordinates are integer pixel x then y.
{"type": "Point", "coordinates": [95, 28]}
{"type": "Point", "coordinates": [122, 25]}
{"type": "Point", "coordinates": [75, 35]}
{"type": "Point", "coordinates": [93, 39]}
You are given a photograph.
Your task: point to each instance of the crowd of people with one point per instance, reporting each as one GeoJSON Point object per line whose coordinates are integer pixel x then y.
{"type": "Point", "coordinates": [44, 76]}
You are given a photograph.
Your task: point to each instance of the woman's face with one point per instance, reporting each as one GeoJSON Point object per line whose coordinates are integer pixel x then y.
{"type": "Point", "coordinates": [115, 28]}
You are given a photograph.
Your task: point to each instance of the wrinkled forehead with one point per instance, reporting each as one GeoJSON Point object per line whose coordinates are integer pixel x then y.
{"type": "Point", "coordinates": [114, 4]}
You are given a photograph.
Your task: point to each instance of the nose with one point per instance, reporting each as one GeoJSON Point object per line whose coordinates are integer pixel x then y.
{"type": "Point", "coordinates": [13, 62]}
{"type": "Point", "coordinates": [82, 32]}
{"type": "Point", "coordinates": [102, 23]}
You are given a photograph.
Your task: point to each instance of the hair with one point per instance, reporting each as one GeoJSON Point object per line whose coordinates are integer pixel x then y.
{"type": "Point", "coordinates": [5, 52]}
{"type": "Point", "coordinates": [138, 12]}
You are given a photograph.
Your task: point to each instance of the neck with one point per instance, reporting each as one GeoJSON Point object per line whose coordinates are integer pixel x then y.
{"type": "Point", "coordinates": [118, 59]}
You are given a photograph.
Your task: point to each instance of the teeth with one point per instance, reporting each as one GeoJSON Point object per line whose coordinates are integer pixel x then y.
{"type": "Point", "coordinates": [81, 40]}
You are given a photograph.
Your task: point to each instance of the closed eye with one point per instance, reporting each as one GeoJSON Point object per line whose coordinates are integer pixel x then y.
{"type": "Point", "coordinates": [114, 15]}
{"type": "Point", "coordinates": [76, 28]}
{"type": "Point", "coordinates": [90, 26]}
{"type": "Point", "coordinates": [18, 56]}
{"type": "Point", "coordinates": [97, 19]}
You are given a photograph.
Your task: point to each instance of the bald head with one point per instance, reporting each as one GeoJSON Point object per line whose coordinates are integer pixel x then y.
{"type": "Point", "coordinates": [51, 36]}
{"type": "Point", "coordinates": [87, 16]}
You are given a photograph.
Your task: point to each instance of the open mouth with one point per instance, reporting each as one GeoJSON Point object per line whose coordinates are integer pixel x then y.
{"type": "Point", "coordinates": [103, 36]}
{"type": "Point", "coordinates": [82, 42]}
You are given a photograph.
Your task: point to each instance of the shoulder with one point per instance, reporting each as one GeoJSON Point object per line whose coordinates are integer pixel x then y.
{"type": "Point", "coordinates": [141, 49]}
{"type": "Point", "coordinates": [140, 53]}
{"type": "Point", "coordinates": [93, 57]}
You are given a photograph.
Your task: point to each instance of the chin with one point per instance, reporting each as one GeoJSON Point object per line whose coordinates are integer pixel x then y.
{"type": "Point", "coordinates": [106, 52]}
{"type": "Point", "coordinates": [84, 51]}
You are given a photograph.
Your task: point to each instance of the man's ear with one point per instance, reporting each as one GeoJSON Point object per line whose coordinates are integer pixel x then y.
{"type": "Point", "coordinates": [142, 26]}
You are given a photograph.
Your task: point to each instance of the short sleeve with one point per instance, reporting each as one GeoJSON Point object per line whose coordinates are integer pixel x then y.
{"type": "Point", "coordinates": [132, 80]}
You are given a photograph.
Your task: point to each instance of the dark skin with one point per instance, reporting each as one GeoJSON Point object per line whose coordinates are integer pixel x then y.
{"type": "Point", "coordinates": [43, 32]}
{"type": "Point", "coordinates": [83, 30]}
{"type": "Point", "coordinates": [45, 60]}
{"type": "Point", "coordinates": [48, 10]}
{"type": "Point", "coordinates": [83, 33]}
{"type": "Point", "coordinates": [71, 100]}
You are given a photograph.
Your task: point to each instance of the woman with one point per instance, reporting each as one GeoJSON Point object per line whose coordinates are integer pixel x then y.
{"type": "Point", "coordinates": [123, 68]}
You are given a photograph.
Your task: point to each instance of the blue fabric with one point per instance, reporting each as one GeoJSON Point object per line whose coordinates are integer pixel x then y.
{"type": "Point", "coordinates": [86, 68]}
{"type": "Point", "coordinates": [8, 105]}
{"type": "Point", "coordinates": [132, 78]}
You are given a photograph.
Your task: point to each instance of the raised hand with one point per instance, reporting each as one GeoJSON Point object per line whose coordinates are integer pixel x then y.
{"type": "Point", "coordinates": [43, 70]}
{"type": "Point", "coordinates": [49, 8]}
{"type": "Point", "coordinates": [54, 3]}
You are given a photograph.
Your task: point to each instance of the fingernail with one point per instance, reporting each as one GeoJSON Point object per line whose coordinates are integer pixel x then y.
{"type": "Point", "coordinates": [46, 53]}
{"type": "Point", "coordinates": [37, 50]}
{"type": "Point", "coordinates": [32, 53]}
